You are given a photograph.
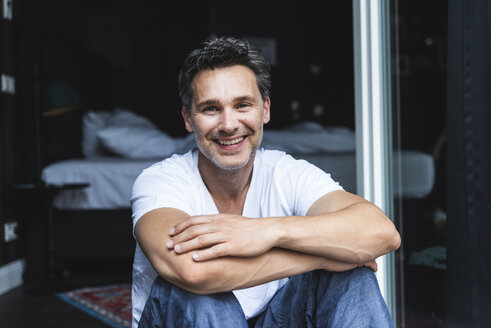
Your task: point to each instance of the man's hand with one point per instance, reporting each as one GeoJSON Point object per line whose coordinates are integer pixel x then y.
{"type": "Point", "coordinates": [337, 266]}
{"type": "Point", "coordinates": [212, 236]}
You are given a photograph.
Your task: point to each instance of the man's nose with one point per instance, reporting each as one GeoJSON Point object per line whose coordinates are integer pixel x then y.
{"type": "Point", "coordinates": [228, 121]}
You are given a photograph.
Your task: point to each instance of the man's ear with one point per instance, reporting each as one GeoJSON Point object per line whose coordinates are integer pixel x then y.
{"type": "Point", "coordinates": [267, 113]}
{"type": "Point", "coordinates": [187, 119]}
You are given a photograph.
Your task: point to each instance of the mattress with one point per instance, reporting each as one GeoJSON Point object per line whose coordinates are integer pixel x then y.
{"type": "Point", "coordinates": [110, 181]}
{"type": "Point", "coordinates": [111, 178]}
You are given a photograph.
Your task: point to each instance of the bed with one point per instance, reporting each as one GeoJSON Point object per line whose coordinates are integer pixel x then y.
{"type": "Point", "coordinates": [118, 144]}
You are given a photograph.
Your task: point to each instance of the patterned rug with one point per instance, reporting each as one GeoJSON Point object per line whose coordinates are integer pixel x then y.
{"type": "Point", "coordinates": [110, 304]}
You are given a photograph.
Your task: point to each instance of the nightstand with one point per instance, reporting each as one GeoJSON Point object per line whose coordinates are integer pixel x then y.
{"type": "Point", "coordinates": [38, 233]}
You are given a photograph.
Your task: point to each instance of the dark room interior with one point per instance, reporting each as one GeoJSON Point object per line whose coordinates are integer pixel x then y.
{"type": "Point", "coordinates": [126, 55]}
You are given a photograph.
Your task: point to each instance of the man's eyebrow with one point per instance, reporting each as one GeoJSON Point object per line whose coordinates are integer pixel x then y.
{"type": "Point", "coordinates": [209, 102]}
{"type": "Point", "coordinates": [245, 98]}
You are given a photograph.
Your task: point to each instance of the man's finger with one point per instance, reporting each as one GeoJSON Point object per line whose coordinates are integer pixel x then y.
{"type": "Point", "coordinates": [194, 220]}
{"type": "Point", "coordinates": [199, 242]}
{"type": "Point", "coordinates": [214, 252]}
{"type": "Point", "coordinates": [372, 265]}
{"type": "Point", "coordinates": [190, 233]}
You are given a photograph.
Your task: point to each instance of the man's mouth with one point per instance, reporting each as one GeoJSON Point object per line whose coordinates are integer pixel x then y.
{"type": "Point", "coordinates": [230, 142]}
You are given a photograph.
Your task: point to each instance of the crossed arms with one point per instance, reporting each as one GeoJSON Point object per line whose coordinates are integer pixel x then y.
{"type": "Point", "coordinates": [217, 253]}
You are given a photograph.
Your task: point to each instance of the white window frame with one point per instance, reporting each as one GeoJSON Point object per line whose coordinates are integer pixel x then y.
{"type": "Point", "coordinates": [371, 37]}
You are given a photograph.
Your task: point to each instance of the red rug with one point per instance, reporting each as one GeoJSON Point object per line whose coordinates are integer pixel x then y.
{"type": "Point", "coordinates": [110, 304]}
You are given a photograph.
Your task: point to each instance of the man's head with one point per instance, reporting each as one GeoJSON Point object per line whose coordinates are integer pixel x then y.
{"type": "Point", "coordinates": [225, 88]}
{"type": "Point", "coordinates": [220, 52]}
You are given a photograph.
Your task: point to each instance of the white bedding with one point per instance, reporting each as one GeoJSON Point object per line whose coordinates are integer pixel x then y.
{"type": "Point", "coordinates": [111, 178]}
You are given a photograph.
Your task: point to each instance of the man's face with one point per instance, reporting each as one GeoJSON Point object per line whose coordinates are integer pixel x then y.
{"type": "Point", "coordinates": [227, 116]}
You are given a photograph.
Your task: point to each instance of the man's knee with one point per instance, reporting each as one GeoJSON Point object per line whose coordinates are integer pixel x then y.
{"type": "Point", "coordinates": [348, 287]}
{"type": "Point", "coordinates": [168, 304]}
{"type": "Point", "coordinates": [363, 273]}
{"type": "Point", "coordinates": [363, 278]}
{"type": "Point", "coordinates": [354, 297]}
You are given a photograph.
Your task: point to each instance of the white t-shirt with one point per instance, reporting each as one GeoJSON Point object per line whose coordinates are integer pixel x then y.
{"type": "Point", "coordinates": [280, 186]}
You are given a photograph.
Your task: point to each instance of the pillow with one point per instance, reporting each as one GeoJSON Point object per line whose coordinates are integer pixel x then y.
{"type": "Point", "coordinates": [92, 122]}
{"type": "Point", "coordinates": [309, 139]}
{"type": "Point", "coordinates": [124, 117]}
{"type": "Point", "coordinates": [130, 135]}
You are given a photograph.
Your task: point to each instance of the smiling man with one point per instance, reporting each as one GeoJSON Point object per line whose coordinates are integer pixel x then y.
{"type": "Point", "coordinates": [232, 235]}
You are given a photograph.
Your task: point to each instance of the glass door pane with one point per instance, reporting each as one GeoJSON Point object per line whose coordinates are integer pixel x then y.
{"type": "Point", "coordinates": [418, 56]}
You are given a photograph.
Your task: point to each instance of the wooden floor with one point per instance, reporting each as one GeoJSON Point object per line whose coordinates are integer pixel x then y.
{"type": "Point", "coordinates": [21, 309]}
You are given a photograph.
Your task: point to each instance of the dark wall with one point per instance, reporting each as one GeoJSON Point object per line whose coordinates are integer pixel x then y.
{"type": "Point", "coordinates": [8, 117]}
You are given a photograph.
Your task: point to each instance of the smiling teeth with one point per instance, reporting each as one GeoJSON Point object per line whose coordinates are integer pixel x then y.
{"type": "Point", "coordinates": [231, 142]}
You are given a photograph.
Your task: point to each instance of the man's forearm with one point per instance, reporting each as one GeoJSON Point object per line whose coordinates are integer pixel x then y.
{"type": "Point", "coordinates": [231, 273]}
{"type": "Point", "coordinates": [357, 234]}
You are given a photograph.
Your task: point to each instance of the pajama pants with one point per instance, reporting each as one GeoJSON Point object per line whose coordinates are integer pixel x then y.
{"type": "Point", "coordinates": [313, 299]}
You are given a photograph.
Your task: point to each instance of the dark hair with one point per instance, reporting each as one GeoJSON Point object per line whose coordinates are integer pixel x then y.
{"type": "Point", "coordinates": [219, 52]}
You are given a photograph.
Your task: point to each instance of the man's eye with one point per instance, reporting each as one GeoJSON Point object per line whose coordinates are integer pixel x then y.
{"type": "Point", "coordinates": [243, 105]}
{"type": "Point", "coordinates": [210, 109]}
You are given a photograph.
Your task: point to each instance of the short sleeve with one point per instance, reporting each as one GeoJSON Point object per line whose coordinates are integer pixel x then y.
{"type": "Point", "coordinates": [161, 185]}
{"type": "Point", "coordinates": [307, 183]}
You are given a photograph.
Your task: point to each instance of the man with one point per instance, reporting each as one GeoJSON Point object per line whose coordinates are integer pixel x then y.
{"type": "Point", "coordinates": [231, 235]}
